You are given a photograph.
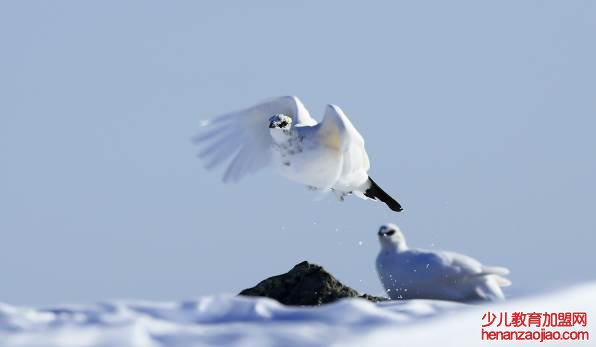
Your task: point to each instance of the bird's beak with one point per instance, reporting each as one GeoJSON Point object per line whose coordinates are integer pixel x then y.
{"type": "Point", "coordinates": [271, 125]}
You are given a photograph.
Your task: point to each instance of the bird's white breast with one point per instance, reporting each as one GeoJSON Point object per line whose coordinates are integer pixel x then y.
{"type": "Point", "coordinates": [304, 160]}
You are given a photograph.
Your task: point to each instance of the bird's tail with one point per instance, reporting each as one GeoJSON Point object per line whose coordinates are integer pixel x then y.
{"type": "Point", "coordinates": [497, 270]}
{"type": "Point", "coordinates": [373, 191]}
{"type": "Point", "coordinates": [488, 290]}
{"type": "Point", "coordinates": [502, 281]}
{"type": "Point", "coordinates": [497, 273]}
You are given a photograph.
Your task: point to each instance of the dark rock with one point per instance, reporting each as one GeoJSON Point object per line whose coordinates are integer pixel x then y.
{"type": "Point", "coordinates": [305, 284]}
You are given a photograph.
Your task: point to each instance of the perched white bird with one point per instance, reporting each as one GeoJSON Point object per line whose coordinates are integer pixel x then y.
{"type": "Point", "coordinates": [329, 155]}
{"type": "Point", "coordinates": [419, 274]}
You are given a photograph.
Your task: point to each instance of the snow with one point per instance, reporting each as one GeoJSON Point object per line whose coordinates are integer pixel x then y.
{"type": "Point", "coordinates": [227, 320]}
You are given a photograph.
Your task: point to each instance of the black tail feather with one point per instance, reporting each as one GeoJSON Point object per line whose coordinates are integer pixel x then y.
{"type": "Point", "coordinates": [375, 192]}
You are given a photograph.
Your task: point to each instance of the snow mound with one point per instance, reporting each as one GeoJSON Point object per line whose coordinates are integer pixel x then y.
{"type": "Point", "coordinates": [243, 321]}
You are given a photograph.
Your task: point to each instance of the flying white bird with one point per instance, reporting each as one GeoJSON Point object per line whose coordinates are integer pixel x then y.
{"type": "Point", "coordinates": [329, 155]}
{"type": "Point", "coordinates": [419, 274]}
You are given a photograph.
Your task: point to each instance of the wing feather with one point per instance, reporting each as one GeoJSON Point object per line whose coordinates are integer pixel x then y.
{"type": "Point", "coordinates": [337, 131]}
{"type": "Point", "coordinates": [243, 137]}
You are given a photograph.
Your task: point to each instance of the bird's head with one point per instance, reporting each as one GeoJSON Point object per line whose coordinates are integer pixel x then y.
{"type": "Point", "coordinates": [280, 121]}
{"type": "Point", "coordinates": [391, 237]}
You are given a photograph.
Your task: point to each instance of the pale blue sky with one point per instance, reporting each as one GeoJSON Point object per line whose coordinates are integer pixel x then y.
{"type": "Point", "coordinates": [478, 116]}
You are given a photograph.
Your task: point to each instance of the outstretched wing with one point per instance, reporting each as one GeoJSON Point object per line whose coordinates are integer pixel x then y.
{"type": "Point", "coordinates": [244, 136]}
{"type": "Point", "coordinates": [337, 132]}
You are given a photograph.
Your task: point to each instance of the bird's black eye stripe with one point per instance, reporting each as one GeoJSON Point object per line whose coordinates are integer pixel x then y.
{"type": "Point", "coordinates": [283, 124]}
{"type": "Point", "coordinates": [391, 232]}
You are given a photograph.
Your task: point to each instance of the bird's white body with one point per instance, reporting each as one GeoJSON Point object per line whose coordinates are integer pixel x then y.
{"type": "Point", "coordinates": [301, 158]}
{"type": "Point", "coordinates": [329, 155]}
{"type": "Point", "coordinates": [421, 274]}
{"type": "Point", "coordinates": [304, 155]}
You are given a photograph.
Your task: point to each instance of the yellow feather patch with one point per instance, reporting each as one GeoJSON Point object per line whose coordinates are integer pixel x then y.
{"type": "Point", "coordinates": [331, 138]}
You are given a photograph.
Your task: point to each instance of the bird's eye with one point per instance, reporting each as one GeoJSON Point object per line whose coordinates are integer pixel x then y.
{"type": "Point", "coordinates": [283, 124]}
{"type": "Point", "coordinates": [391, 232]}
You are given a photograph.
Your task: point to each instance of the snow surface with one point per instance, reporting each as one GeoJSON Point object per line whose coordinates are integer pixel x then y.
{"type": "Point", "coordinates": [240, 321]}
